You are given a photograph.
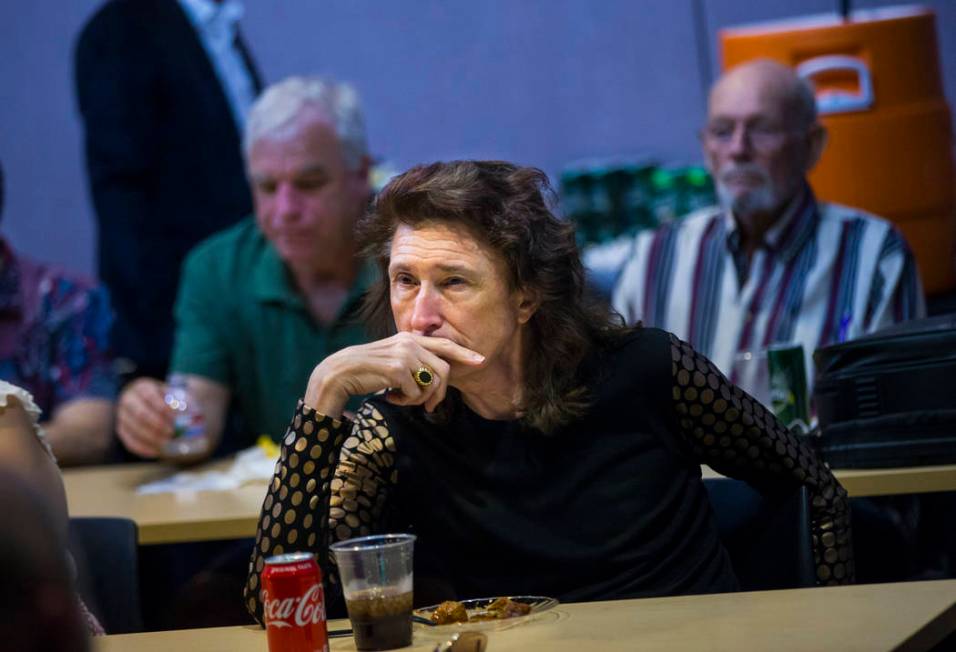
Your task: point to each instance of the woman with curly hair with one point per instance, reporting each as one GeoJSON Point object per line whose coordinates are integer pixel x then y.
{"type": "Point", "coordinates": [531, 442]}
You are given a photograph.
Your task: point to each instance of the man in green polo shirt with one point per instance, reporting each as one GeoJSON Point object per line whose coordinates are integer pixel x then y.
{"type": "Point", "coordinates": [261, 302]}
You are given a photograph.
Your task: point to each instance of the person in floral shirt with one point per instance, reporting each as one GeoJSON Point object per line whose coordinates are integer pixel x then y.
{"type": "Point", "coordinates": [54, 342]}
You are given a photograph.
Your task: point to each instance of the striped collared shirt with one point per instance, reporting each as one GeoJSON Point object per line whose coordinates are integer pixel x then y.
{"type": "Point", "coordinates": [825, 273]}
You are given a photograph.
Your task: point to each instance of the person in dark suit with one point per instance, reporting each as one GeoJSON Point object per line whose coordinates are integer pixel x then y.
{"type": "Point", "coordinates": [163, 87]}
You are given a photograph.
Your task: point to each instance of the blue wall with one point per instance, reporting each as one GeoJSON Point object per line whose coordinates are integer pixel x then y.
{"type": "Point", "coordinates": [540, 82]}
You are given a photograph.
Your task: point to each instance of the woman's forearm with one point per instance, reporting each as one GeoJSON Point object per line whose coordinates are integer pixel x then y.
{"type": "Point", "coordinates": [294, 514]}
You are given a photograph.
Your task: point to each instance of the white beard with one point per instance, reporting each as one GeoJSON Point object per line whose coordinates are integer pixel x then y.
{"type": "Point", "coordinates": [759, 200]}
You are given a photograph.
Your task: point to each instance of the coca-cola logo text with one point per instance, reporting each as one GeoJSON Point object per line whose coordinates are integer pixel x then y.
{"type": "Point", "coordinates": [307, 609]}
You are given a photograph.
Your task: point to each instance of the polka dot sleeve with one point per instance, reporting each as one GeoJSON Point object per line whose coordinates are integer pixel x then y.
{"type": "Point", "coordinates": [293, 516]}
{"type": "Point", "coordinates": [331, 483]}
{"type": "Point", "coordinates": [362, 480]}
{"type": "Point", "coordinates": [727, 429]}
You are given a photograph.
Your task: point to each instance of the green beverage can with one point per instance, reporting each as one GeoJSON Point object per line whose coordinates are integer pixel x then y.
{"type": "Point", "coordinates": [788, 385]}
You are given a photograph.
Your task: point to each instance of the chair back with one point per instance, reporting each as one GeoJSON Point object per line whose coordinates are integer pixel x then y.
{"type": "Point", "coordinates": [105, 551]}
{"type": "Point", "coordinates": [767, 535]}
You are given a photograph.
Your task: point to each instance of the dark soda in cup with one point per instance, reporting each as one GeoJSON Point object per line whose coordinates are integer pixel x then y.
{"type": "Point", "coordinates": [380, 621]}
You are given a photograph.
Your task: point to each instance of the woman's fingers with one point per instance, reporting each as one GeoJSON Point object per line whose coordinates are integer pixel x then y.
{"type": "Point", "coordinates": [434, 353]}
{"type": "Point", "coordinates": [405, 393]}
{"type": "Point", "coordinates": [429, 395]}
{"type": "Point", "coordinates": [416, 358]}
{"type": "Point", "coordinates": [403, 389]}
{"type": "Point", "coordinates": [435, 392]}
{"type": "Point", "coordinates": [448, 350]}
{"type": "Point", "coordinates": [387, 364]}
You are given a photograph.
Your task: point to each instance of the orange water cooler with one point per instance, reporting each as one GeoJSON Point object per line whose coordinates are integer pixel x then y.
{"type": "Point", "coordinates": [880, 95]}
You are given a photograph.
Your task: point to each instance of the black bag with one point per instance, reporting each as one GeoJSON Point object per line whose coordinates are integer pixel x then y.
{"type": "Point", "coordinates": [889, 399]}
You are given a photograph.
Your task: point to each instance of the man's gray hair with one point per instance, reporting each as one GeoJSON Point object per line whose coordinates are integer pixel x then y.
{"type": "Point", "coordinates": [281, 104]}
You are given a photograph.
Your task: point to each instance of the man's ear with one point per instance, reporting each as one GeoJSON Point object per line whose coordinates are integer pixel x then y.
{"type": "Point", "coordinates": [816, 142]}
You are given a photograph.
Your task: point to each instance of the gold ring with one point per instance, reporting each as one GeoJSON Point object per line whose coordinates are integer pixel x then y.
{"type": "Point", "coordinates": [423, 376]}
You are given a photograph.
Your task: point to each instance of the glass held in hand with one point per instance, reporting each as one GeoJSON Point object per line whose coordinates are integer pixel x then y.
{"type": "Point", "coordinates": [189, 442]}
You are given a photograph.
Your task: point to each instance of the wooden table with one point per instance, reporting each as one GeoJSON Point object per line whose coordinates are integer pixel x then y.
{"type": "Point", "coordinates": [907, 616]}
{"type": "Point", "coordinates": [887, 482]}
{"type": "Point", "coordinates": [206, 515]}
{"type": "Point", "coordinates": [168, 517]}
{"type": "Point", "coordinates": [892, 482]}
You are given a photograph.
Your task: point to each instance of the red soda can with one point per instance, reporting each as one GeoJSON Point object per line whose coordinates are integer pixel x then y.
{"type": "Point", "coordinates": [294, 604]}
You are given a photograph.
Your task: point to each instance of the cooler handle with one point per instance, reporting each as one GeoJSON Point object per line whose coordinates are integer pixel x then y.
{"type": "Point", "coordinates": [837, 101]}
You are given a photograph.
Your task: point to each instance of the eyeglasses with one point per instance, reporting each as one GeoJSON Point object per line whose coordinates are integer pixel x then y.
{"type": "Point", "coordinates": [760, 136]}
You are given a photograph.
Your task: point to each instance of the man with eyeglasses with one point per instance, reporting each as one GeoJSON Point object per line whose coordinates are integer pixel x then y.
{"type": "Point", "coordinates": [770, 264]}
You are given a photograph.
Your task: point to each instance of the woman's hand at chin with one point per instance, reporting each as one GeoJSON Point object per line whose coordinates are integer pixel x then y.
{"type": "Point", "coordinates": [389, 364]}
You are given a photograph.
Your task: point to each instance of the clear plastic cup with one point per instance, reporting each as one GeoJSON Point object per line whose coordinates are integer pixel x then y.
{"type": "Point", "coordinates": [376, 575]}
{"type": "Point", "coordinates": [752, 374]}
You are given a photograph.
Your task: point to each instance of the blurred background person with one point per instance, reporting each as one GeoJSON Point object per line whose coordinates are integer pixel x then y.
{"type": "Point", "coordinates": [54, 341]}
{"type": "Point", "coordinates": [773, 265]}
{"type": "Point", "coordinates": [39, 604]}
{"type": "Point", "coordinates": [770, 264]}
{"type": "Point", "coordinates": [163, 88]}
{"type": "Point", "coordinates": [38, 608]}
{"type": "Point", "coordinates": [259, 302]}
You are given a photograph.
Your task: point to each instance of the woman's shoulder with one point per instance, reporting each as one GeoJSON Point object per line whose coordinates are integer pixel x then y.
{"type": "Point", "coordinates": [635, 364]}
{"type": "Point", "coordinates": [637, 342]}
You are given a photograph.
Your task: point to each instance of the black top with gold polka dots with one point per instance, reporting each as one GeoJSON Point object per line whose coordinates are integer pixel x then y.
{"type": "Point", "coordinates": [611, 506]}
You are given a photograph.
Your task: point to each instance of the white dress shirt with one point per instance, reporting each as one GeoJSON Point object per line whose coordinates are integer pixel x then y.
{"type": "Point", "coordinates": [217, 26]}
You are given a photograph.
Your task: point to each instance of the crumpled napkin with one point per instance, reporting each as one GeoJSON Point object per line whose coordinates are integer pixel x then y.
{"type": "Point", "coordinates": [256, 464]}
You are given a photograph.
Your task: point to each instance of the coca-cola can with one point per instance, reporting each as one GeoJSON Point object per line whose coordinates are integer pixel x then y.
{"type": "Point", "coordinates": [293, 604]}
